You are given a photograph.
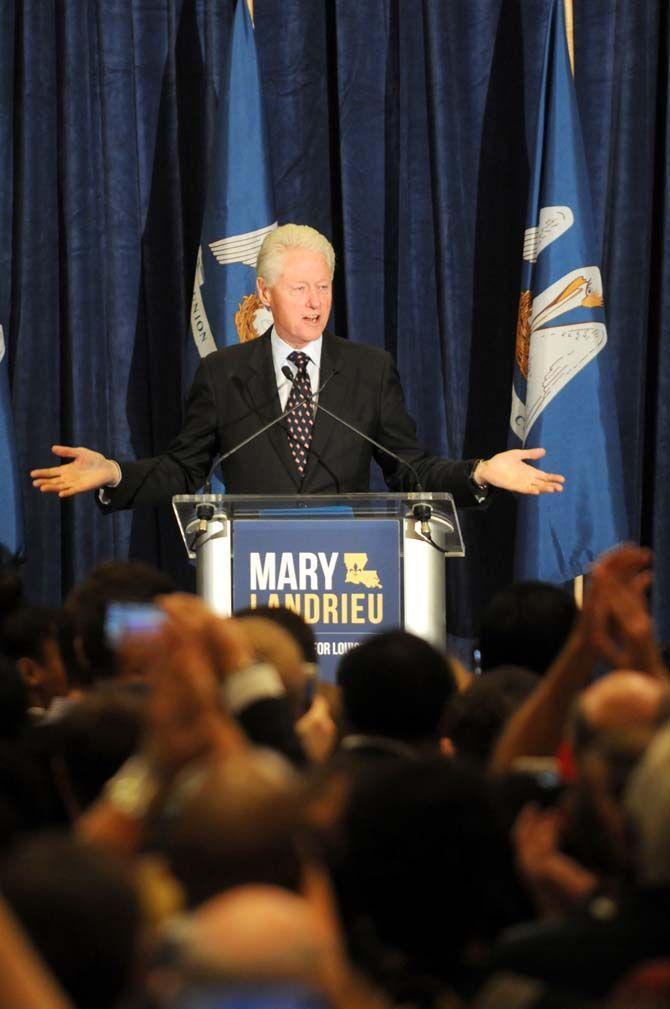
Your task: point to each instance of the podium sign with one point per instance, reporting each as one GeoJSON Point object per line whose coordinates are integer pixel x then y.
{"type": "Point", "coordinates": [341, 576]}
{"type": "Point", "coordinates": [351, 564]}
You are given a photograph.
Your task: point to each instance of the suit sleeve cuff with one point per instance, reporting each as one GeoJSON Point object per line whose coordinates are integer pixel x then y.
{"type": "Point", "coordinates": [103, 496]}
{"type": "Point", "coordinates": [480, 492]}
{"type": "Point", "coordinates": [255, 683]}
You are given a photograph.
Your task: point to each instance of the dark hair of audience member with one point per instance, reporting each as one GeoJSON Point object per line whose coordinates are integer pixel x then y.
{"type": "Point", "coordinates": [26, 798]}
{"type": "Point", "coordinates": [427, 869]}
{"type": "Point", "coordinates": [78, 907]}
{"type": "Point", "coordinates": [31, 637]}
{"type": "Point", "coordinates": [395, 685]}
{"type": "Point", "coordinates": [26, 630]}
{"type": "Point", "coordinates": [292, 622]}
{"type": "Point", "coordinates": [526, 625]}
{"type": "Point", "coordinates": [90, 741]}
{"type": "Point", "coordinates": [476, 716]}
{"type": "Point", "coordinates": [88, 655]}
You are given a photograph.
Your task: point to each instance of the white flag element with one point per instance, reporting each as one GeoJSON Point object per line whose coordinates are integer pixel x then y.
{"type": "Point", "coordinates": [2, 344]}
{"type": "Point", "coordinates": [200, 328]}
{"type": "Point", "coordinates": [552, 223]}
{"type": "Point", "coordinates": [558, 353]}
{"type": "Point", "coordinates": [241, 248]}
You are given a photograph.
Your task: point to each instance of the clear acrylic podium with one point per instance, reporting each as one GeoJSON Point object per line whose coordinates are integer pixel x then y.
{"type": "Point", "coordinates": [407, 536]}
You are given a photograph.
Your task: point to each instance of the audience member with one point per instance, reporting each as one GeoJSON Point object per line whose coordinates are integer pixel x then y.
{"type": "Point", "coordinates": [475, 717]}
{"type": "Point", "coordinates": [526, 625]}
{"type": "Point", "coordinates": [79, 908]}
{"type": "Point", "coordinates": [272, 643]}
{"type": "Point", "coordinates": [585, 953]}
{"type": "Point", "coordinates": [234, 823]}
{"type": "Point", "coordinates": [187, 751]}
{"type": "Point", "coordinates": [614, 627]}
{"type": "Point", "coordinates": [26, 799]}
{"type": "Point", "coordinates": [31, 638]}
{"type": "Point", "coordinates": [88, 654]}
{"type": "Point", "coordinates": [316, 707]}
{"type": "Point", "coordinates": [88, 744]}
{"type": "Point", "coordinates": [427, 879]}
{"type": "Point", "coordinates": [291, 622]}
{"type": "Point", "coordinates": [395, 691]}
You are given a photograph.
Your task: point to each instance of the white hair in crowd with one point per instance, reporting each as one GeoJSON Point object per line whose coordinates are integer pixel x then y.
{"type": "Point", "coordinates": [647, 802]}
{"type": "Point", "coordinates": [270, 262]}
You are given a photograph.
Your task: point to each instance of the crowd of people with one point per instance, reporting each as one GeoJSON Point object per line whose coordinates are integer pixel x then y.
{"type": "Point", "coordinates": [191, 819]}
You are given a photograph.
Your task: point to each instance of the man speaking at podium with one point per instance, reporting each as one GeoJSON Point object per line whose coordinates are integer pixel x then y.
{"type": "Point", "coordinates": [286, 375]}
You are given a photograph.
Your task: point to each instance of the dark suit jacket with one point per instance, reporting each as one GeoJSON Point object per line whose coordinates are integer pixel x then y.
{"type": "Point", "coordinates": [234, 393]}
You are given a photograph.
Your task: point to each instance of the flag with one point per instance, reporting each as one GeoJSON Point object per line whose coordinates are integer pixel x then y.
{"type": "Point", "coordinates": [239, 211]}
{"type": "Point", "coordinates": [562, 396]}
{"type": "Point", "coordinates": [11, 519]}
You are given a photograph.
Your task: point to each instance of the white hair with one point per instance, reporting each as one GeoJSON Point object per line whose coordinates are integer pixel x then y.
{"type": "Point", "coordinates": [270, 262]}
{"type": "Point", "coordinates": [647, 802]}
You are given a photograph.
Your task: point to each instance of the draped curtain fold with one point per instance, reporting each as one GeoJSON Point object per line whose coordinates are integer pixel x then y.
{"type": "Point", "coordinates": [402, 131]}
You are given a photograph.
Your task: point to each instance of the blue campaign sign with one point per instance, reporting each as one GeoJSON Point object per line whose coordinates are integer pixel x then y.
{"type": "Point", "coordinates": [343, 577]}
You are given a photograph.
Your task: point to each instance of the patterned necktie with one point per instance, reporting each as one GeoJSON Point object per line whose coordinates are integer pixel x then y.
{"type": "Point", "coordinates": [301, 421]}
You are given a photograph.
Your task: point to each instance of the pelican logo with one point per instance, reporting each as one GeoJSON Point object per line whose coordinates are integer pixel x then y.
{"type": "Point", "coordinates": [358, 573]}
{"type": "Point", "coordinates": [548, 354]}
{"type": "Point", "coordinates": [2, 344]}
{"type": "Point", "coordinates": [242, 249]}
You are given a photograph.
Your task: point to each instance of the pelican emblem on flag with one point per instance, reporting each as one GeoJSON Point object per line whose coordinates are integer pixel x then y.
{"type": "Point", "coordinates": [242, 249]}
{"type": "Point", "coordinates": [549, 355]}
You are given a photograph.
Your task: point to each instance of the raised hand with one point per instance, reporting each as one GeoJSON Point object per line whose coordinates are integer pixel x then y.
{"type": "Point", "coordinates": [226, 642]}
{"type": "Point", "coordinates": [88, 470]}
{"type": "Point", "coordinates": [616, 621]}
{"type": "Point", "coordinates": [510, 471]}
{"type": "Point", "coordinates": [185, 719]}
{"type": "Point", "coordinates": [557, 882]}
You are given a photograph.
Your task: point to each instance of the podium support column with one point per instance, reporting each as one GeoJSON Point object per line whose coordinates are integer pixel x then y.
{"type": "Point", "coordinates": [214, 568]}
{"type": "Point", "coordinates": [423, 586]}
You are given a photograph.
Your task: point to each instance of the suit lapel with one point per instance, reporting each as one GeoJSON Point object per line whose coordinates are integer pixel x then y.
{"type": "Point", "coordinates": [263, 396]}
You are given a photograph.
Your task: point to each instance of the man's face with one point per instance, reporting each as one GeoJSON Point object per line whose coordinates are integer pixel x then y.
{"type": "Point", "coordinates": [301, 297]}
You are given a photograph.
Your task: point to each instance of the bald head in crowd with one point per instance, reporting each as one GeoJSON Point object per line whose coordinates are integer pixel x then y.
{"type": "Point", "coordinates": [618, 702]}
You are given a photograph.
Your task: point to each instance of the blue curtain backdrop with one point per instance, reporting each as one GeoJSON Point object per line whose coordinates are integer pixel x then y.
{"type": "Point", "coordinates": [402, 131]}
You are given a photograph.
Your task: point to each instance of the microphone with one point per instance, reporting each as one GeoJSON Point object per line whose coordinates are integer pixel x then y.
{"type": "Point", "coordinates": [266, 427]}
{"type": "Point", "coordinates": [287, 373]}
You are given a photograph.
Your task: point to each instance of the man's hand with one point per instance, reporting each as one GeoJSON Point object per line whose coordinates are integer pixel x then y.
{"type": "Point", "coordinates": [185, 720]}
{"type": "Point", "coordinates": [557, 882]}
{"type": "Point", "coordinates": [615, 621]}
{"type": "Point", "coordinates": [226, 643]}
{"type": "Point", "coordinates": [88, 471]}
{"type": "Point", "coordinates": [509, 471]}
{"type": "Point", "coordinates": [317, 731]}
{"type": "Point", "coordinates": [183, 664]}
